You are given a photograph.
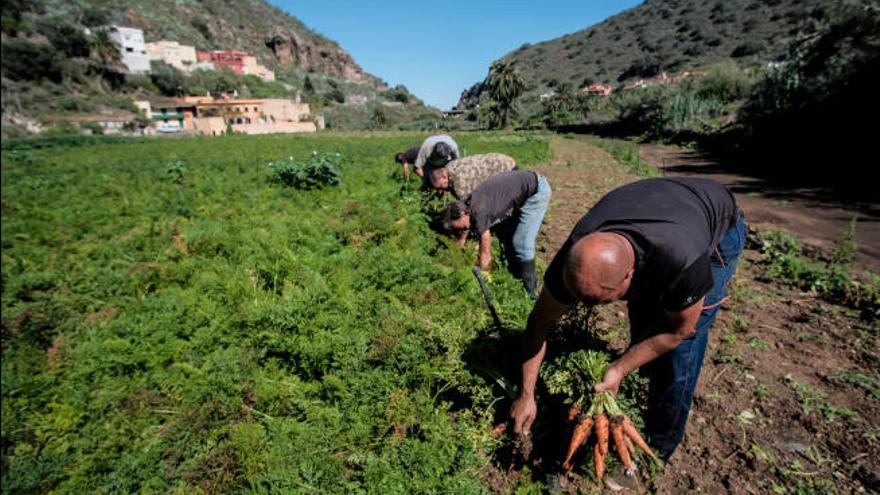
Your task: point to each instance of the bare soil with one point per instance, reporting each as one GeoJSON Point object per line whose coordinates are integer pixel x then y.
{"type": "Point", "coordinates": [788, 398]}
{"type": "Point", "coordinates": [815, 215]}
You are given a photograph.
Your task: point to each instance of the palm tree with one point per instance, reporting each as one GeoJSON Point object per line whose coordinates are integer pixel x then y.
{"type": "Point", "coordinates": [565, 99]}
{"type": "Point", "coordinates": [505, 85]}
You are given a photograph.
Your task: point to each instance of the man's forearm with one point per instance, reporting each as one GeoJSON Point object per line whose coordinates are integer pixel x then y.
{"type": "Point", "coordinates": [486, 250]}
{"type": "Point", "coordinates": [646, 351]}
{"type": "Point", "coordinates": [533, 350]}
{"type": "Point", "coordinates": [544, 315]}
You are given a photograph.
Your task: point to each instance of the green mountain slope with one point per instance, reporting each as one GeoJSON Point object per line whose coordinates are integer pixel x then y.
{"type": "Point", "coordinates": [666, 35]}
{"type": "Point", "coordinates": [52, 72]}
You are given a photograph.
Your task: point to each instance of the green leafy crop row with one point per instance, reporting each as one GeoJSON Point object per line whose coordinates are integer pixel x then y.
{"type": "Point", "coordinates": [194, 328]}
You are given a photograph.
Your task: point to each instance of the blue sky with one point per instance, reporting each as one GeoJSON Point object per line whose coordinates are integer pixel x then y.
{"type": "Point", "coordinates": [439, 48]}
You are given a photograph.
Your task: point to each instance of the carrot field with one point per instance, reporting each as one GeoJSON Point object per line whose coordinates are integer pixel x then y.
{"type": "Point", "coordinates": [176, 321]}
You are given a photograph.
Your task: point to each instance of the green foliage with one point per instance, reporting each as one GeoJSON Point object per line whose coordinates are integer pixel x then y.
{"type": "Point", "coordinates": [814, 401]}
{"type": "Point", "coordinates": [93, 127]}
{"type": "Point", "coordinates": [69, 41]}
{"type": "Point", "coordinates": [725, 83]}
{"type": "Point", "coordinates": [565, 107]}
{"type": "Point", "coordinates": [746, 49]}
{"type": "Point", "coordinates": [628, 154]}
{"type": "Point", "coordinates": [24, 60]}
{"type": "Point", "coordinates": [87, 74]}
{"type": "Point", "coordinates": [504, 85]}
{"type": "Point", "coordinates": [317, 171]}
{"type": "Point", "coordinates": [378, 117]}
{"type": "Point", "coordinates": [655, 37]}
{"type": "Point", "coordinates": [784, 262]}
{"type": "Point", "coordinates": [169, 80]}
{"type": "Point", "coordinates": [336, 95]}
{"type": "Point", "coordinates": [274, 340]}
{"type": "Point", "coordinates": [399, 94]}
{"type": "Point", "coordinates": [573, 375]}
{"type": "Point", "coordinates": [869, 382]}
{"type": "Point", "coordinates": [811, 95]}
{"type": "Point", "coordinates": [176, 171]}
{"type": "Point", "coordinates": [201, 82]}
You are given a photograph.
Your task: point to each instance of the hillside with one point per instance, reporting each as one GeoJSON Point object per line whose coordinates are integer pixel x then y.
{"type": "Point", "coordinates": [71, 79]}
{"type": "Point", "coordinates": [665, 35]}
{"type": "Point", "coordinates": [274, 37]}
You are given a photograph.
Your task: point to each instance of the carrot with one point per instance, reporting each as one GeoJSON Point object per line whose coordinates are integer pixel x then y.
{"type": "Point", "coordinates": [573, 413]}
{"type": "Point", "coordinates": [629, 443]}
{"type": "Point", "coordinates": [599, 461]}
{"type": "Point", "coordinates": [581, 432]}
{"type": "Point", "coordinates": [602, 432]}
{"type": "Point", "coordinates": [499, 429]}
{"type": "Point", "coordinates": [630, 431]}
{"type": "Point", "coordinates": [622, 449]}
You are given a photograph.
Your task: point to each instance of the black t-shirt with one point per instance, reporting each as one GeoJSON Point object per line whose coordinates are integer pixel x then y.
{"type": "Point", "coordinates": [499, 197]}
{"type": "Point", "coordinates": [410, 155]}
{"type": "Point", "coordinates": [674, 225]}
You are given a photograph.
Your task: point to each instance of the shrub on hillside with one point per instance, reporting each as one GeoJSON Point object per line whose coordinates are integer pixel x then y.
{"type": "Point", "coordinates": [26, 61]}
{"type": "Point", "coordinates": [169, 80]}
{"type": "Point", "coordinates": [725, 82]}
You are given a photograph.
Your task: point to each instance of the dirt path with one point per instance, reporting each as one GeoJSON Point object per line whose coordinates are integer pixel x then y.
{"type": "Point", "coordinates": [788, 400]}
{"type": "Point", "coordinates": [813, 215]}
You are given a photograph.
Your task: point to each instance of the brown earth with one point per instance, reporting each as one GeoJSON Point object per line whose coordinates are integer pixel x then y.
{"type": "Point", "coordinates": [815, 215]}
{"type": "Point", "coordinates": [789, 397]}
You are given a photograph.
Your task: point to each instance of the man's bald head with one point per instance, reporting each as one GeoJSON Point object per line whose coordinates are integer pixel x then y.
{"type": "Point", "coordinates": [599, 267]}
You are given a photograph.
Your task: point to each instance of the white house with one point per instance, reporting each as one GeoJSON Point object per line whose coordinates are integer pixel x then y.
{"type": "Point", "coordinates": [131, 46]}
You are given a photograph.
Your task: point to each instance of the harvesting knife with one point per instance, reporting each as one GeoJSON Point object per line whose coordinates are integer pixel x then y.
{"type": "Point", "coordinates": [479, 274]}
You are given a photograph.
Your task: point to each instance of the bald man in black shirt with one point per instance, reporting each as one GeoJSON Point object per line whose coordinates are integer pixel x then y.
{"type": "Point", "coordinates": [666, 246]}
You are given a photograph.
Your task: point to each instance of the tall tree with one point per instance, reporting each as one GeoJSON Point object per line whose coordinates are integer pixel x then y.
{"type": "Point", "coordinates": [505, 85]}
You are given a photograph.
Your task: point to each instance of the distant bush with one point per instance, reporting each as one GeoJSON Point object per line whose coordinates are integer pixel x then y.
{"type": "Point", "coordinates": [169, 80]}
{"type": "Point", "coordinates": [202, 27]}
{"type": "Point", "coordinates": [644, 68]}
{"type": "Point", "coordinates": [70, 41]}
{"type": "Point", "coordinates": [26, 61]}
{"type": "Point", "coordinates": [62, 129]}
{"type": "Point", "coordinates": [317, 171]}
{"type": "Point", "coordinates": [335, 94]}
{"type": "Point", "coordinates": [725, 82]}
{"type": "Point", "coordinates": [399, 94]}
{"type": "Point", "coordinates": [201, 82]}
{"type": "Point", "coordinates": [746, 49]}
{"type": "Point", "coordinates": [76, 103]}
{"type": "Point", "coordinates": [93, 127]}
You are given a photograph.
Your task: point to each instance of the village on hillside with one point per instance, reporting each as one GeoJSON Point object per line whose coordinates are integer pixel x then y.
{"type": "Point", "coordinates": [207, 115]}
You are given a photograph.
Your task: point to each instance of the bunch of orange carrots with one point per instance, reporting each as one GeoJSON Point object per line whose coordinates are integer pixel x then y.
{"type": "Point", "coordinates": [593, 412]}
{"type": "Point", "coordinates": [609, 422]}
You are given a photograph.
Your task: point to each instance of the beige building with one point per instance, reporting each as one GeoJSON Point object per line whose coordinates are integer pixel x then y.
{"type": "Point", "coordinates": [182, 57]}
{"type": "Point", "coordinates": [249, 65]}
{"type": "Point", "coordinates": [209, 116]}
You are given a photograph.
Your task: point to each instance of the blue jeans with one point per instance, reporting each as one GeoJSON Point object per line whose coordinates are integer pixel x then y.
{"type": "Point", "coordinates": [673, 376]}
{"type": "Point", "coordinates": [531, 214]}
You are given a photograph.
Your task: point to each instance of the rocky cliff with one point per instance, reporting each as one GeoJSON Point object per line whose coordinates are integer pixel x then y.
{"type": "Point", "coordinates": [291, 49]}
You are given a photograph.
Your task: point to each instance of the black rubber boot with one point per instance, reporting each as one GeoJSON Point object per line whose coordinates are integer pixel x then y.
{"type": "Point", "coordinates": [529, 277]}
